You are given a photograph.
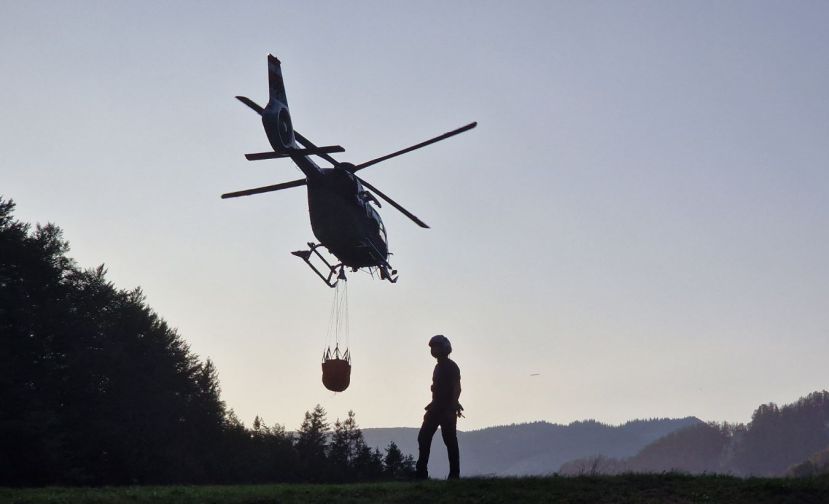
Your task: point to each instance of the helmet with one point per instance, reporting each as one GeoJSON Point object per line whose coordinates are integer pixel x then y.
{"type": "Point", "coordinates": [442, 342]}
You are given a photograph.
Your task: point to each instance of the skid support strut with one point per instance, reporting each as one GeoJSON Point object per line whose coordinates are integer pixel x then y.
{"type": "Point", "coordinates": [336, 272]}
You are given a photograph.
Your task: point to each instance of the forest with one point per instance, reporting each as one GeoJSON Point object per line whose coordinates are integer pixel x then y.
{"type": "Point", "coordinates": [97, 389]}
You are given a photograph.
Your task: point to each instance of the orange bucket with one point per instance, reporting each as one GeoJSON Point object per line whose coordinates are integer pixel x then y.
{"type": "Point", "coordinates": [336, 371]}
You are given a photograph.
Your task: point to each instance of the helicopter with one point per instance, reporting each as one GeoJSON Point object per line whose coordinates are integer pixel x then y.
{"type": "Point", "coordinates": [341, 205]}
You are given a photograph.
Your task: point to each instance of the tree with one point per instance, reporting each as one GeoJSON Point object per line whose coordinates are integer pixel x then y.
{"type": "Point", "coordinates": [346, 442]}
{"type": "Point", "coordinates": [368, 464]}
{"type": "Point", "coordinates": [396, 465]}
{"type": "Point", "coordinates": [311, 445]}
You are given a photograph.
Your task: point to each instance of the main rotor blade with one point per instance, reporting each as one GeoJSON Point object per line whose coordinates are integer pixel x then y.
{"type": "Point", "coordinates": [414, 147]}
{"type": "Point", "coordinates": [394, 203]}
{"type": "Point", "coordinates": [259, 190]}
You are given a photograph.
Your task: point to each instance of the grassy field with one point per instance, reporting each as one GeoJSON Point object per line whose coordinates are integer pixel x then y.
{"type": "Point", "coordinates": [666, 488]}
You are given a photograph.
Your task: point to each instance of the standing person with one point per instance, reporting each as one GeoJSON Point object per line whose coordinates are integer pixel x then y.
{"type": "Point", "coordinates": [443, 411]}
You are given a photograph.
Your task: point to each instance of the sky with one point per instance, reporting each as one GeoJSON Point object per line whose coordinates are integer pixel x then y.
{"type": "Point", "coordinates": [637, 228]}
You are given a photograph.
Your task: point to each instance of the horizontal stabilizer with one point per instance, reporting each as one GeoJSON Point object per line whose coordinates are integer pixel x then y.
{"type": "Point", "coordinates": [250, 103]}
{"type": "Point", "coordinates": [258, 156]}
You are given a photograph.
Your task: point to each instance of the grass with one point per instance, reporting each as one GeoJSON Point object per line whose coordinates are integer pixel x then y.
{"type": "Point", "coordinates": [663, 488]}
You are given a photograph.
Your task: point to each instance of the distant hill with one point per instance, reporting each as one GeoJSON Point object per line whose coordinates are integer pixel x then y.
{"type": "Point", "coordinates": [792, 439]}
{"type": "Point", "coordinates": [534, 448]}
{"type": "Point", "coordinates": [696, 449]}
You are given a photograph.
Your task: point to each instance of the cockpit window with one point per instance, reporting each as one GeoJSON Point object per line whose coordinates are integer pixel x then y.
{"type": "Point", "coordinates": [383, 232]}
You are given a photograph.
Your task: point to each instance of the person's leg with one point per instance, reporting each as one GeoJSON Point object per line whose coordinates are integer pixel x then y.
{"type": "Point", "coordinates": [424, 444]}
{"type": "Point", "coordinates": [449, 432]}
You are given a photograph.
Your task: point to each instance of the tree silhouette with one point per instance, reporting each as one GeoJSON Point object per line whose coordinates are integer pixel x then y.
{"type": "Point", "coordinates": [396, 465]}
{"type": "Point", "coordinates": [368, 464]}
{"type": "Point", "coordinates": [311, 444]}
{"type": "Point", "coordinates": [346, 443]}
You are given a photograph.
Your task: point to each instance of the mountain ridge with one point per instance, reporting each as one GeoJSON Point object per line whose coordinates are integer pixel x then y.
{"type": "Point", "coordinates": [779, 440]}
{"type": "Point", "coordinates": [532, 448]}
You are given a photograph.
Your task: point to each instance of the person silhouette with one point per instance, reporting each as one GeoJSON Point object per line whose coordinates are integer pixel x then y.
{"type": "Point", "coordinates": [443, 411]}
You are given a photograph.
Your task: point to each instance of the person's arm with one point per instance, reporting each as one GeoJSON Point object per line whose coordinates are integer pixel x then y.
{"type": "Point", "coordinates": [457, 395]}
{"type": "Point", "coordinates": [456, 388]}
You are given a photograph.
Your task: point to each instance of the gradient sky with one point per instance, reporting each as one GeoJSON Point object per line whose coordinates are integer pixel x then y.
{"type": "Point", "coordinates": [641, 216]}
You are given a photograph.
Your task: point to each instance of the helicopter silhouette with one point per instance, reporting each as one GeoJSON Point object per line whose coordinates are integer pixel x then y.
{"type": "Point", "coordinates": [340, 204]}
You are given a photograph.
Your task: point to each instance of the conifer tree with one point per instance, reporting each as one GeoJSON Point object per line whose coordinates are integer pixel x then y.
{"type": "Point", "coordinates": [311, 444]}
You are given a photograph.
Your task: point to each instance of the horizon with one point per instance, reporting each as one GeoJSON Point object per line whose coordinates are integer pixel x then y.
{"type": "Point", "coordinates": [636, 228]}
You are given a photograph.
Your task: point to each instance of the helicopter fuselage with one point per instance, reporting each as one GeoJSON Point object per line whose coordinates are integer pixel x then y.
{"type": "Point", "coordinates": [344, 219]}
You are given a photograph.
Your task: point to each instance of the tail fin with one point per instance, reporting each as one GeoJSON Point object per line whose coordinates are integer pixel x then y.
{"type": "Point", "coordinates": [276, 118]}
{"type": "Point", "coordinates": [275, 82]}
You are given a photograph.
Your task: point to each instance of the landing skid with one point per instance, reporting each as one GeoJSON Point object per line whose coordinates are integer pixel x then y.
{"type": "Point", "coordinates": [331, 274]}
{"type": "Point", "coordinates": [335, 271]}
